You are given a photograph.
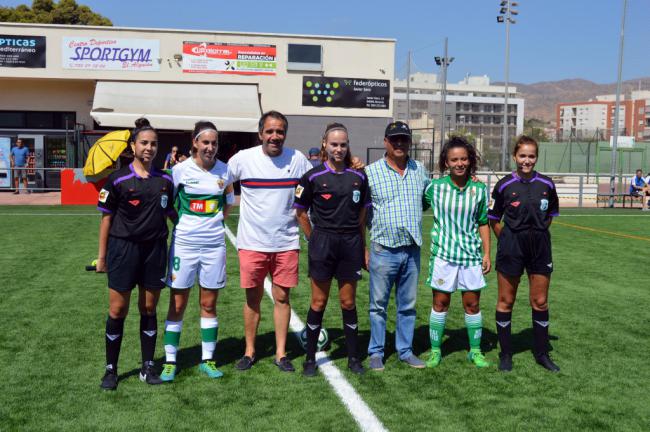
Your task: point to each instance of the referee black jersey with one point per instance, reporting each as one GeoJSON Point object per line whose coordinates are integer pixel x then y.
{"type": "Point", "coordinates": [334, 198]}
{"type": "Point", "coordinates": [524, 204]}
{"type": "Point", "coordinates": [139, 205]}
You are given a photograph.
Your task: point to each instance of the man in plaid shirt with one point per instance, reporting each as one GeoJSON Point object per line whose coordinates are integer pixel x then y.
{"type": "Point", "coordinates": [397, 184]}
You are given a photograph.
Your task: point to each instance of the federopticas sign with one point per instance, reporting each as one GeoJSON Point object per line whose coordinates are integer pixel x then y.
{"type": "Point", "coordinates": [111, 54]}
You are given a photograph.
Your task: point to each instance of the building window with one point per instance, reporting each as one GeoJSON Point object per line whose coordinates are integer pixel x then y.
{"type": "Point", "coordinates": [305, 57]}
{"type": "Point", "coordinates": [37, 120]}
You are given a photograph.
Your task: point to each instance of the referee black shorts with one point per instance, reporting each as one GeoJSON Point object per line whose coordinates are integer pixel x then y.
{"type": "Point", "coordinates": [528, 250]}
{"type": "Point", "coordinates": [129, 263]}
{"type": "Point", "coordinates": [335, 255]}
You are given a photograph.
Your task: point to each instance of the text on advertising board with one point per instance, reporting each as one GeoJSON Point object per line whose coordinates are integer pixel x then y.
{"type": "Point", "coordinates": [233, 59]}
{"type": "Point", "coordinates": [345, 92]}
{"type": "Point", "coordinates": [22, 51]}
{"type": "Point", "coordinates": [111, 54]}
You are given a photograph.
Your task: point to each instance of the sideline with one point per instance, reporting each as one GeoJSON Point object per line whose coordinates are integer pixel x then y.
{"type": "Point", "coordinates": [361, 412]}
{"type": "Point", "coordinates": [599, 231]}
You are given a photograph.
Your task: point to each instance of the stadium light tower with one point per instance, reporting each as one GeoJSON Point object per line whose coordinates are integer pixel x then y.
{"type": "Point", "coordinates": [443, 62]}
{"type": "Point", "coordinates": [612, 178]}
{"type": "Point", "coordinates": [505, 16]}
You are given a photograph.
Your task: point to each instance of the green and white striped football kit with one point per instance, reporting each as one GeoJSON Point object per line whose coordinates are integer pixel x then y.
{"type": "Point", "coordinates": [198, 243]}
{"type": "Point", "coordinates": [456, 255]}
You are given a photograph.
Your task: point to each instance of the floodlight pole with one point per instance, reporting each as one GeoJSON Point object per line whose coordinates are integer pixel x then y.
{"type": "Point", "coordinates": [612, 178]}
{"type": "Point", "coordinates": [506, 17]}
{"type": "Point", "coordinates": [408, 90]}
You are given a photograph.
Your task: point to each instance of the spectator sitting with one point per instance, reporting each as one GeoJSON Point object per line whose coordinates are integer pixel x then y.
{"type": "Point", "coordinates": [639, 188]}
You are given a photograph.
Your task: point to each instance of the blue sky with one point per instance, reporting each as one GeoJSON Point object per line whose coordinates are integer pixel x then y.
{"type": "Point", "coordinates": [552, 40]}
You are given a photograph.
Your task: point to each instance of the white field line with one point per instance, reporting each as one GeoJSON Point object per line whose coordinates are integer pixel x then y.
{"type": "Point", "coordinates": [361, 412]}
{"type": "Point", "coordinates": [98, 213]}
{"type": "Point", "coordinates": [562, 216]}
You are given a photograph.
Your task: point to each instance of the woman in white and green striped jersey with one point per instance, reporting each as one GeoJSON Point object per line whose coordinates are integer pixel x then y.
{"type": "Point", "coordinates": [460, 245]}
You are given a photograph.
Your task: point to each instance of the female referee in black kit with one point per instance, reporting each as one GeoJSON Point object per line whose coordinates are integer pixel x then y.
{"type": "Point", "coordinates": [337, 196]}
{"type": "Point", "coordinates": [527, 201]}
{"type": "Point", "coordinates": [135, 202]}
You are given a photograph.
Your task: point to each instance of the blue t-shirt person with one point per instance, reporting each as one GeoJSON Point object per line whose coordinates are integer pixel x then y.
{"type": "Point", "coordinates": [20, 156]}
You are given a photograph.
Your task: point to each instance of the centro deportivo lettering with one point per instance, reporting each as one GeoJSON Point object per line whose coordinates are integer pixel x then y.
{"type": "Point", "coordinates": [204, 206]}
{"type": "Point", "coordinates": [112, 54]}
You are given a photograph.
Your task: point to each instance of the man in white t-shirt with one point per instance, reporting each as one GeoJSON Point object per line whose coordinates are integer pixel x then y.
{"type": "Point", "coordinates": [267, 235]}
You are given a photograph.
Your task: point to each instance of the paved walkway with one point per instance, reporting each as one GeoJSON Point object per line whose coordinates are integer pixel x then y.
{"type": "Point", "coordinates": [45, 198]}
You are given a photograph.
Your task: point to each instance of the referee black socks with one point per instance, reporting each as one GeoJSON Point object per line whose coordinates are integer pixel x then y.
{"type": "Point", "coordinates": [148, 333]}
{"type": "Point", "coordinates": [504, 330]}
{"type": "Point", "coordinates": [540, 332]}
{"type": "Point", "coordinates": [351, 331]}
{"type": "Point", "coordinates": [114, 332]}
{"type": "Point", "coordinates": [314, 324]}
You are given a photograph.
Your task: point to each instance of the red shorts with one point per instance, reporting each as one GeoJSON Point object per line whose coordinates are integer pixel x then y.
{"type": "Point", "coordinates": [254, 266]}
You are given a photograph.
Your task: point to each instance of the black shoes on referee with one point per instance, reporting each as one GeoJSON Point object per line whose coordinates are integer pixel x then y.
{"type": "Point", "coordinates": [544, 360]}
{"type": "Point", "coordinates": [505, 362]}
{"type": "Point", "coordinates": [109, 380]}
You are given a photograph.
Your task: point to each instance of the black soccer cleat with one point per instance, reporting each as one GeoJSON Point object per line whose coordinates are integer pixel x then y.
{"type": "Point", "coordinates": [148, 375]}
{"type": "Point", "coordinates": [109, 380]}
{"type": "Point", "coordinates": [309, 368]}
{"type": "Point", "coordinates": [505, 362]}
{"type": "Point", "coordinates": [355, 366]}
{"type": "Point", "coordinates": [545, 361]}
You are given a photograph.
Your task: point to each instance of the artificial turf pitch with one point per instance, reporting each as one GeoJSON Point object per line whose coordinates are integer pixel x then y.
{"type": "Point", "coordinates": [52, 345]}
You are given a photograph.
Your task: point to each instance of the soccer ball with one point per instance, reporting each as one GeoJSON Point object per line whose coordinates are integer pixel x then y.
{"type": "Point", "coordinates": [323, 339]}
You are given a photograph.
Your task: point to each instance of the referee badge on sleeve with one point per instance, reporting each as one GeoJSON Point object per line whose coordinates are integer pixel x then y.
{"type": "Point", "coordinates": [163, 201]}
{"type": "Point", "coordinates": [103, 195]}
{"type": "Point", "coordinates": [299, 190]}
{"type": "Point", "coordinates": [543, 206]}
{"type": "Point", "coordinates": [491, 204]}
{"type": "Point", "coordinates": [356, 196]}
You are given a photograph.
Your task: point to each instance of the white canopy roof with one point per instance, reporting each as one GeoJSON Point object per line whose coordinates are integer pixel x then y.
{"type": "Point", "coordinates": [231, 107]}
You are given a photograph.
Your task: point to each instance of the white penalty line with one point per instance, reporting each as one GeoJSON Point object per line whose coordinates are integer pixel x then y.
{"type": "Point", "coordinates": [359, 410]}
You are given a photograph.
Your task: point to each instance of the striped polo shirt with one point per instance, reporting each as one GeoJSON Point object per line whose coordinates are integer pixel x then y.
{"type": "Point", "coordinates": [396, 218]}
{"type": "Point", "coordinates": [267, 219]}
{"type": "Point", "coordinates": [457, 215]}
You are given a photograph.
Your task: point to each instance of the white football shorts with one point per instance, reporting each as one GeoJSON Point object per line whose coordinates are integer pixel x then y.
{"type": "Point", "coordinates": [186, 263]}
{"type": "Point", "coordinates": [448, 277]}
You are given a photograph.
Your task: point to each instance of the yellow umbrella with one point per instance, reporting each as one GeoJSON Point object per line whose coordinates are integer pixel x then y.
{"type": "Point", "coordinates": [105, 152]}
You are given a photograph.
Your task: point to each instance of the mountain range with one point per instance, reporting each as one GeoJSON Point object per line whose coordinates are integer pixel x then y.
{"type": "Point", "coordinates": [541, 98]}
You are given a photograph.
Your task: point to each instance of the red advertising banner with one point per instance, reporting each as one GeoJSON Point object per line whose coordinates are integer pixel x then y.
{"type": "Point", "coordinates": [234, 59]}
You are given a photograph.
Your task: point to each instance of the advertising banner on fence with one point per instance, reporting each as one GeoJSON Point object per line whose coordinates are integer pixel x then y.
{"type": "Point", "coordinates": [233, 59]}
{"type": "Point", "coordinates": [345, 92]}
{"type": "Point", "coordinates": [22, 51]}
{"type": "Point", "coordinates": [110, 54]}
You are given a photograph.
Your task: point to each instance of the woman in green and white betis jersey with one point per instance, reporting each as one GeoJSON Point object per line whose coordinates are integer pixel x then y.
{"type": "Point", "coordinates": [460, 245]}
{"type": "Point", "coordinates": [204, 195]}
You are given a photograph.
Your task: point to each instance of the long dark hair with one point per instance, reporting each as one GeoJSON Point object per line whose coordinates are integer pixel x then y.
{"type": "Point", "coordinates": [330, 128]}
{"type": "Point", "coordinates": [454, 142]}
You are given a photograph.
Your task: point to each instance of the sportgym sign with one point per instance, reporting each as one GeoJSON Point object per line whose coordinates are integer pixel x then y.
{"type": "Point", "coordinates": [111, 54]}
{"type": "Point", "coordinates": [22, 51]}
{"type": "Point", "coordinates": [345, 92]}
